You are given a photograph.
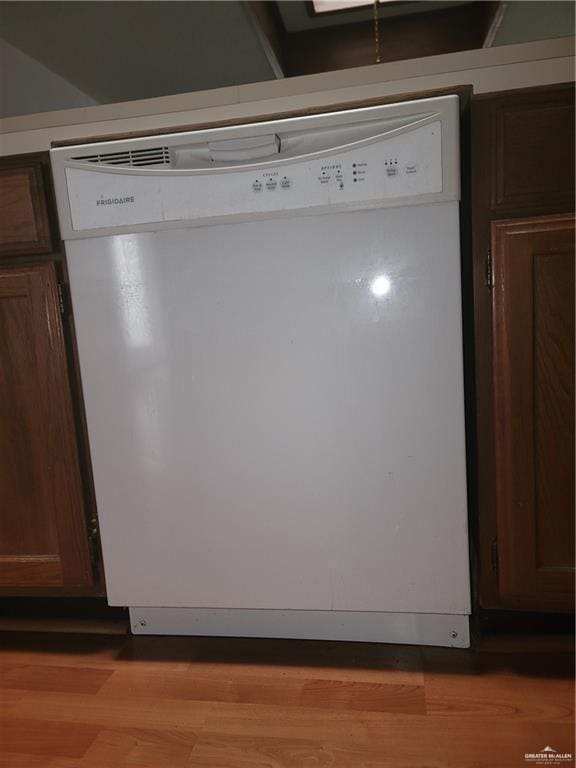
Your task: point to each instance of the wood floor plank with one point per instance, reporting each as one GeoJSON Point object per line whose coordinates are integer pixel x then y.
{"type": "Point", "coordinates": [45, 737]}
{"type": "Point", "coordinates": [189, 686]}
{"type": "Point", "coordinates": [8, 699]}
{"type": "Point", "coordinates": [144, 747]}
{"type": "Point", "coordinates": [417, 738]}
{"type": "Point", "coordinates": [399, 745]}
{"type": "Point", "coordinates": [280, 690]}
{"type": "Point", "coordinates": [216, 751]}
{"type": "Point", "coordinates": [484, 740]}
{"type": "Point", "coordinates": [499, 706]}
{"type": "Point", "coordinates": [312, 725]}
{"type": "Point", "coordinates": [71, 708]}
{"type": "Point", "coordinates": [22, 760]}
{"type": "Point", "coordinates": [97, 702]}
{"type": "Point", "coordinates": [501, 688]}
{"type": "Point", "coordinates": [398, 671]}
{"type": "Point", "coordinates": [364, 697]}
{"type": "Point", "coordinates": [36, 677]}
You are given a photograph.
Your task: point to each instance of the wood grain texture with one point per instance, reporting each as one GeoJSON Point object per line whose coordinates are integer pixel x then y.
{"type": "Point", "coordinates": [43, 540]}
{"type": "Point", "coordinates": [45, 737]}
{"type": "Point", "coordinates": [533, 154]}
{"type": "Point", "coordinates": [24, 225]}
{"type": "Point", "coordinates": [33, 172]}
{"type": "Point", "coordinates": [521, 145]}
{"type": "Point", "coordinates": [290, 690]}
{"type": "Point", "coordinates": [140, 746]}
{"type": "Point", "coordinates": [553, 363]}
{"type": "Point", "coordinates": [25, 570]}
{"type": "Point", "coordinates": [45, 677]}
{"type": "Point", "coordinates": [533, 323]}
{"type": "Point", "coordinates": [109, 702]}
{"type": "Point", "coordinates": [329, 48]}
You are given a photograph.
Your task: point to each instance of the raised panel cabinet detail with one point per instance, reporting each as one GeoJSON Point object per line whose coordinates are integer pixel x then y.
{"type": "Point", "coordinates": [24, 225]}
{"type": "Point", "coordinates": [43, 539]}
{"type": "Point", "coordinates": [522, 152]}
{"type": "Point", "coordinates": [533, 157]}
{"type": "Point", "coordinates": [533, 321]}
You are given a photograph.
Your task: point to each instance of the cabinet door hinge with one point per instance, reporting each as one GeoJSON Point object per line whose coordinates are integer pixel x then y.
{"type": "Point", "coordinates": [62, 299]}
{"type": "Point", "coordinates": [489, 269]}
{"type": "Point", "coordinates": [93, 538]}
{"type": "Point", "coordinates": [494, 555]}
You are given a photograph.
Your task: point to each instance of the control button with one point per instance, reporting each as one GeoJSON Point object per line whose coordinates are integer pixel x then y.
{"type": "Point", "coordinates": [285, 183]}
{"type": "Point", "coordinates": [392, 171]}
{"type": "Point", "coordinates": [257, 186]}
{"type": "Point", "coordinates": [411, 168]}
{"type": "Point", "coordinates": [271, 184]}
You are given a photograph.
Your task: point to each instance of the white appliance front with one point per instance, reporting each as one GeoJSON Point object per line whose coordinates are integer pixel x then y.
{"type": "Point", "coordinates": [276, 422]}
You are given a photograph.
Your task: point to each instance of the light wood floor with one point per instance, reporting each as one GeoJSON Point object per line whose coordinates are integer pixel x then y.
{"type": "Point", "coordinates": [80, 701]}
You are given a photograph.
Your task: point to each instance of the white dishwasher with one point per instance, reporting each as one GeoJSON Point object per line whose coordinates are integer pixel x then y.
{"type": "Point", "coordinates": [269, 329]}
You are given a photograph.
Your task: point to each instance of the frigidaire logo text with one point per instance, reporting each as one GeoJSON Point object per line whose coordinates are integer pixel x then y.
{"type": "Point", "coordinates": [114, 200]}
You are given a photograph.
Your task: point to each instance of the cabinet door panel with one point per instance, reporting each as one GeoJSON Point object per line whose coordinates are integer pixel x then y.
{"type": "Point", "coordinates": [24, 226]}
{"type": "Point", "coordinates": [43, 541]}
{"type": "Point", "coordinates": [522, 145]}
{"type": "Point", "coordinates": [533, 312]}
{"type": "Point", "coordinates": [531, 169]}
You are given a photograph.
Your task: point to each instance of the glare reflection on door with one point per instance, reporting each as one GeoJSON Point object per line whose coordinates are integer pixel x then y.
{"type": "Point", "coordinates": [141, 322]}
{"type": "Point", "coordinates": [134, 292]}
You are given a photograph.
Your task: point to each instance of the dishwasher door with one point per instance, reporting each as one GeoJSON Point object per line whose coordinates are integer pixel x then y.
{"type": "Point", "coordinates": [275, 412]}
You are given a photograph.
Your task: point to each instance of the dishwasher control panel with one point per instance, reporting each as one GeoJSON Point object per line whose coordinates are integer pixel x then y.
{"type": "Point", "coordinates": [389, 170]}
{"type": "Point", "coordinates": [338, 175]}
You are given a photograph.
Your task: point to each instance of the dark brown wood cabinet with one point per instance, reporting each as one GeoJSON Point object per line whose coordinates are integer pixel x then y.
{"type": "Point", "coordinates": [43, 538]}
{"type": "Point", "coordinates": [523, 249]}
{"type": "Point", "coordinates": [47, 519]}
{"type": "Point", "coordinates": [533, 321]}
{"type": "Point", "coordinates": [24, 224]}
{"type": "Point", "coordinates": [523, 153]}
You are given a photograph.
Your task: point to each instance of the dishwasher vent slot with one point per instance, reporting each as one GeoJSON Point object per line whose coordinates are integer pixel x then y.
{"type": "Point", "coordinates": [133, 158]}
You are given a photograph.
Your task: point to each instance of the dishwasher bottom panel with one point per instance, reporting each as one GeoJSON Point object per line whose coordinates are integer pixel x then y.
{"type": "Point", "coordinates": [448, 630]}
